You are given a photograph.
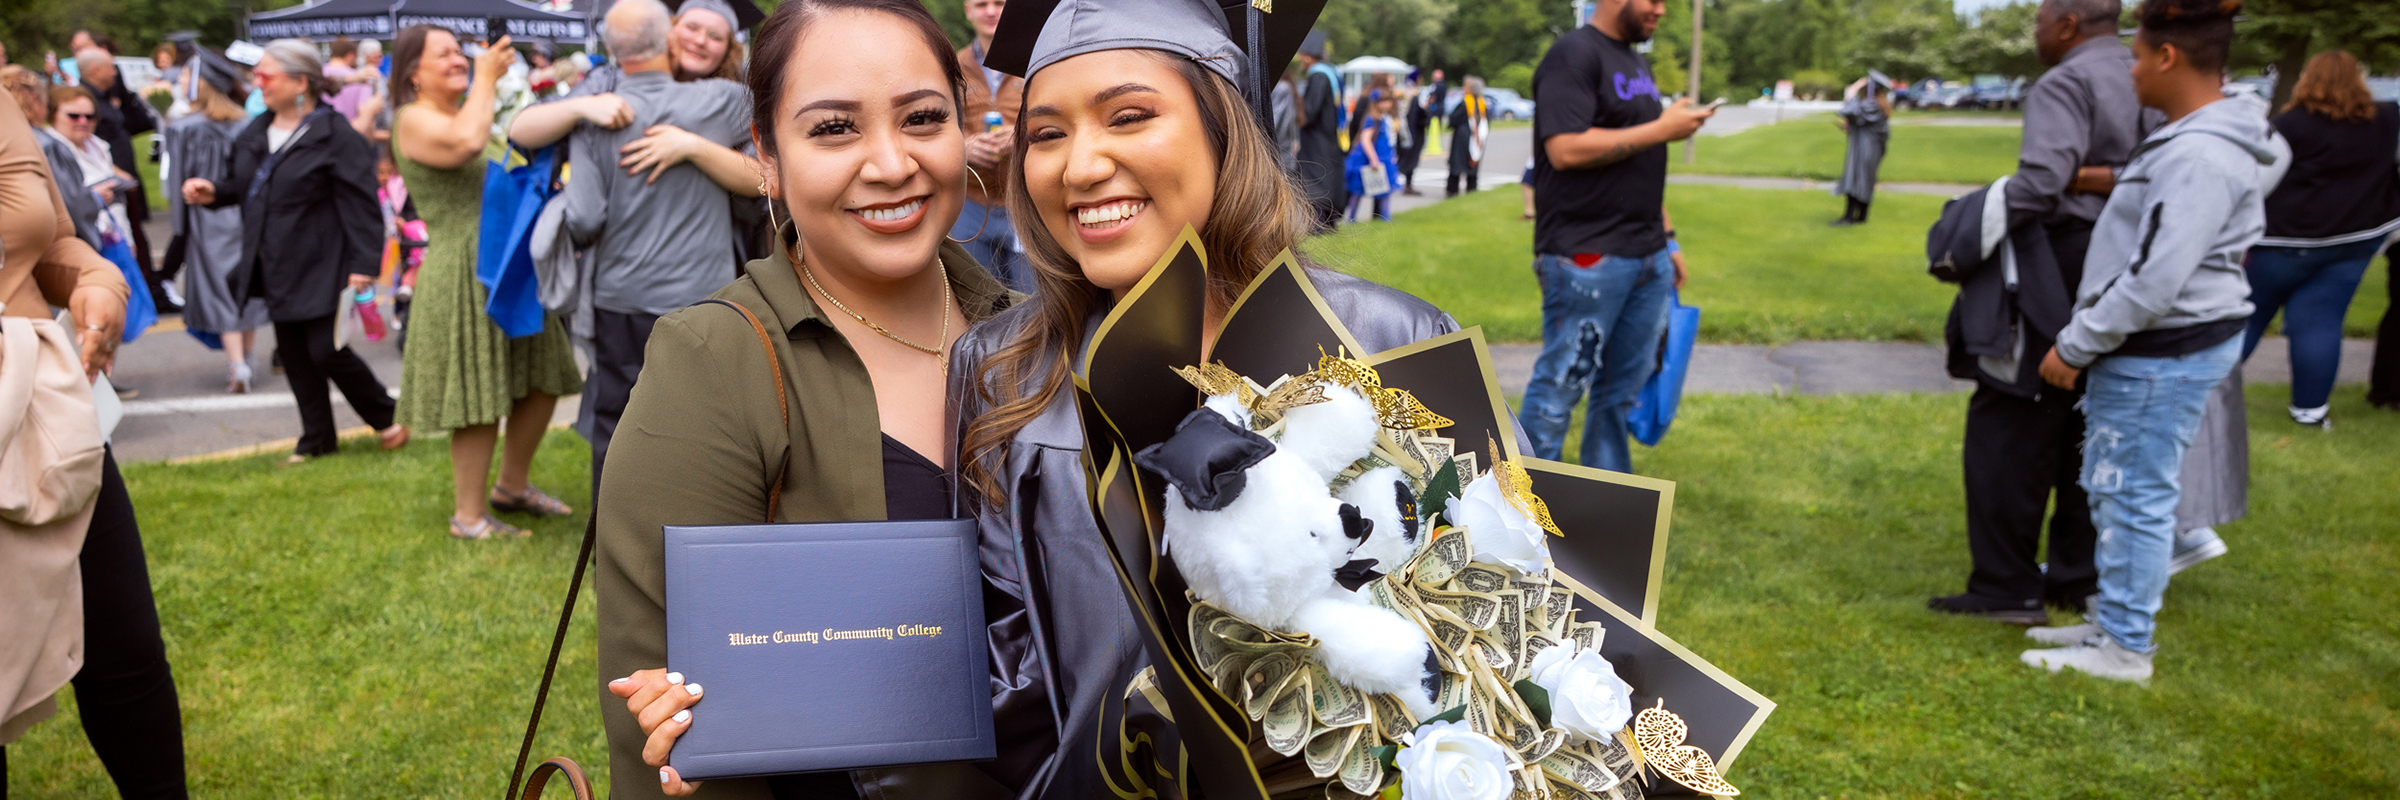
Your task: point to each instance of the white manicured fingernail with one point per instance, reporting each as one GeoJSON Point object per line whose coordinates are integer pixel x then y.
{"type": "Point", "coordinates": [683, 716]}
{"type": "Point", "coordinates": [618, 681]}
{"type": "Point", "coordinates": [692, 688]}
{"type": "Point", "coordinates": [664, 776]}
{"type": "Point", "coordinates": [674, 677]}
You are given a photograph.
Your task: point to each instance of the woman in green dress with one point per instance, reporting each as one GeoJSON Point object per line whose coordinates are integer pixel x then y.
{"type": "Point", "coordinates": [461, 374]}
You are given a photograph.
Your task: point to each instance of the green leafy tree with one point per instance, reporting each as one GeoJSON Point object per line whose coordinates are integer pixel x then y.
{"type": "Point", "coordinates": [1415, 31]}
{"type": "Point", "coordinates": [1907, 46]}
{"type": "Point", "coordinates": [1491, 34]}
{"type": "Point", "coordinates": [2283, 34]}
{"type": "Point", "coordinates": [1999, 43]}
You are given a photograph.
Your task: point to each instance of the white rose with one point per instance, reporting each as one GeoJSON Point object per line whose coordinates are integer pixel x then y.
{"type": "Point", "coordinates": [1502, 534]}
{"type": "Point", "coordinates": [1587, 699]}
{"type": "Point", "coordinates": [1450, 761]}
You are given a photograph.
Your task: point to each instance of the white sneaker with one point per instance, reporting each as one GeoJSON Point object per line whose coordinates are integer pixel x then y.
{"type": "Point", "coordinates": [2101, 659]}
{"type": "Point", "coordinates": [2320, 417]}
{"type": "Point", "coordinates": [2063, 635]}
{"type": "Point", "coordinates": [2194, 546]}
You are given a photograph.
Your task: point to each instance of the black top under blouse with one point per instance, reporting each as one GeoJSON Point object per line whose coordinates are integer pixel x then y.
{"type": "Point", "coordinates": [913, 488]}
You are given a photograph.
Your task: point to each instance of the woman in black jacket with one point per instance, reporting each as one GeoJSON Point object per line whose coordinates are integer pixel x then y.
{"type": "Point", "coordinates": [2324, 221]}
{"type": "Point", "coordinates": [311, 236]}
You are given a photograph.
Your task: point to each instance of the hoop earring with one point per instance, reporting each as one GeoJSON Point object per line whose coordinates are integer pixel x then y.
{"type": "Point", "coordinates": [775, 228]}
{"type": "Point", "coordinates": [987, 211]}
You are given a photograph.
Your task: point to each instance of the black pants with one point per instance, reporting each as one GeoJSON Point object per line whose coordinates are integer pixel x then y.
{"type": "Point", "coordinates": [309, 361]}
{"type": "Point", "coordinates": [2383, 385]}
{"type": "Point", "coordinates": [126, 692]}
{"type": "Point", "coordinates": [1409, 158]}
{"type": "Point", "coordinates": [1450, 185]}
{"type": "Point", "coordinates": [2019, 455]}
{"type": "Point", "coordinates": [617, 344]}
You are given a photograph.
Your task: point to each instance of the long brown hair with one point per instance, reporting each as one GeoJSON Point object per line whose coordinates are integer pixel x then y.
{"type": "Point", "coordinates": [2331, 87]}
{"type": "Point", "coordinates": [1255, 214]}
{"type": "Point", "coordinates": [408, 49]}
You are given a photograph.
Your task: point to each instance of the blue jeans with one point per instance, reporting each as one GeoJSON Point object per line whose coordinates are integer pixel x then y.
{"type": "Point", "coordinates": [1600, 330]}
{"type": "Point", "coordinates": [2313, 287]}
{"type": "Point", "coordinates": [994, 244]}
{"type": "Point", "coordinates": [2140, 415]}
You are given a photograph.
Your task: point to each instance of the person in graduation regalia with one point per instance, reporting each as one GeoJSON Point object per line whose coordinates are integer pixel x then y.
{"type": "Point", "coordinates": [1120, 97]}
{"type": "Point", "coordinates": [200, 145]}
{"type": "Point", "coordinates": [1866, 116]}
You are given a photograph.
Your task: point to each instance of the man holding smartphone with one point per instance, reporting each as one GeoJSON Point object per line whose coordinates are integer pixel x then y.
{"type": "Point", "coordinates": [1603, 246]}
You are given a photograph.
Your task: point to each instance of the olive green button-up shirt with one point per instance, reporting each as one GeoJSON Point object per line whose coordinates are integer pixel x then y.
{"type": "Point", "coordinates": [699, 443]}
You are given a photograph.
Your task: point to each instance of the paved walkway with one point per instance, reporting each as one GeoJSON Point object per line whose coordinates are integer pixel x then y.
{"type": "Point", "coordinates": [1754, 182]}
{"type": "Point", "coordinates": [1871, 367]}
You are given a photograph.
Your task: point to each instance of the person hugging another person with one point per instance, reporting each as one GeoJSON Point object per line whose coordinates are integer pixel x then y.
{"type": "Point", "coordinates": [2158, 322]}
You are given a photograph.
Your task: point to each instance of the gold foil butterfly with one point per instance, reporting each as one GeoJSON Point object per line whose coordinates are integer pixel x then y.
{"type": "Point", "coordinates": [1401, 411]}
{"type": "Point", "coordinates": [1517, 486]}
{"type": "Point", "coordinates": [1659, 735]}
{"type": "Point", "coordinates": [1217, 379]}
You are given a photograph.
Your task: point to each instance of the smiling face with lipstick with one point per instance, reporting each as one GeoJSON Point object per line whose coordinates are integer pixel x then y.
{"type": "Point", "coordinates": [867, 155]}
{"type": "Point", "coordinates": [1118, 159]}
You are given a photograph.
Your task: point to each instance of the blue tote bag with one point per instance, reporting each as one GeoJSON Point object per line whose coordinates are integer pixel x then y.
{"type": "Point", "coordinates": [1654, 408]}
{"type": "Point", "coordinates": [140, 313]}
{"type": "Point", "coordinates": [512, 201]}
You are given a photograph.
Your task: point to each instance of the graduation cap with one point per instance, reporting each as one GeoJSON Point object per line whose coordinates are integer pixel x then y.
{"type": "Point", "coordinates": [219, 72]}
{"type": "Point", "coordinates": [1880, 79]}
{"type": "Point", "coordinates": [1246, 41]}
{"type": "Point", "coordinates": [743, 14]}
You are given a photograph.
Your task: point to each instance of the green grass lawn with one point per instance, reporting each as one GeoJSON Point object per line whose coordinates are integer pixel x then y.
{"type": "Point", "coordinates": [329, 641]}
{"type": "Point", "coordinates": [149, 173]}
{"type": "Point", "coordinates": [1765, 268]}
{"type": "Point", "coordinates": [1812, 148]}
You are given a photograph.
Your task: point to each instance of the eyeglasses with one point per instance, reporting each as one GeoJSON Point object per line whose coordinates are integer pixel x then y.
{"type": "Point", "coordinates": [77, 117]}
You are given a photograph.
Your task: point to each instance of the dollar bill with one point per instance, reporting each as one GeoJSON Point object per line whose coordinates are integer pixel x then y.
{"type": "Point", "coordinates": [1333, 704]}
{"type": "Point", "coordinates": [1286, 723]}
{"type": "Point", "coordinates": [1529, 785]}
{"type": "Point", "coordinates": [1442, 558]}
{"type": "Point", "coordinates": [1556, 608]}
{"type": "Point", "coordinates": [1586, 635]}
{"type": "Point", "coordinates": [1392, 718]}
{"type": "Point", "coordinates": [1533, 592]}
{"type": "Point", "coordinates": [1450, 641]}
{"type": "Point", "coordinates": [1434, 450]}
{"type": "Point", "coordinates": [1504, 641]}
{"type": "Point", "coordinates": [1482, 579]}
{"type": "Point", "coordinates": [1535, 643]}
{"type": "Point", "coordinates": [1562, 790]}
{"type": "Point", "coordinates": [1467, 471]}
{"type": "Point", "coordinates": [1328, 748]}
{"type": "Point", "coordinates": [1362, 772]}
{"type": "Point", "coordinates": [1266, 683]}
{"type": "Point", "coordinates": [1475, 610]}
{"type": "Point", "coordinates": [1454, 691]}
{"type": "Point", "coordinates": [1551, 741]}
{"type": "Point", "coordinates": [1568, 765]}
{"type": "Point", "coordinates": [1229, 674]}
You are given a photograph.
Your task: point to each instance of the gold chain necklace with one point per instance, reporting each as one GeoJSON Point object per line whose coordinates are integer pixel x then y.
{"type": "Point", "coordinates": [941, 353]}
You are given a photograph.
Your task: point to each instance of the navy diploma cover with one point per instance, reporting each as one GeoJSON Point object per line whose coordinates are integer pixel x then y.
{"type": "Point", "coordinates": [824, 646]}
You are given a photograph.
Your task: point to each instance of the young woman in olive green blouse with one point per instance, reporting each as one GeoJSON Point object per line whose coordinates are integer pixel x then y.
{"type": "Point", "coordinates": [862, 300]}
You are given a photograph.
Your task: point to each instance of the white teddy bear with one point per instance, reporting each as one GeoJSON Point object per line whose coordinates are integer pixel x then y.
{"type": "Point", "coordinates": [1253, 528]}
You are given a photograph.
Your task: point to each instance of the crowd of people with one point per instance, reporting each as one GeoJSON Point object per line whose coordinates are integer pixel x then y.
{"type": "Point", "coordinates": [933, 233]}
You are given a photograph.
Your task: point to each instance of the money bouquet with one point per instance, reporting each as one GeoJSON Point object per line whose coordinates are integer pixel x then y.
{"type": "Point", "coordinates": [1378, 602]}
{"type": "Point", "coordinates": [1351, 582]}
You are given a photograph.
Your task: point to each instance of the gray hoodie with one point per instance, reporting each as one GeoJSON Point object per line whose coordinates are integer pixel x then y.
{"type": "Point", "coordinates": [2167, 250]}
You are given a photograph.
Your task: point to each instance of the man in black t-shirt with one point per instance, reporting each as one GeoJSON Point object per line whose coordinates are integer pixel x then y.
{"type": "Point", "coordinates": [1602, 244]}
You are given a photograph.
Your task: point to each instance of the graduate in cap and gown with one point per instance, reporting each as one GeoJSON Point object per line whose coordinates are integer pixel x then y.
{"type": "Point", "coordinates": [1866, 116]}
{"type": "Point", "coordinates": [200, 145]}
{"type": "Point", "coordinates": [1141, 118]}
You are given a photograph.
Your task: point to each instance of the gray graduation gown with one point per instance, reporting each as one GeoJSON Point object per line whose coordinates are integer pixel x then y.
{"type": "Point", "coordinates": [1870, 129]}
{"type": "Point", "coordinates": [2216, 468]}
{"type": "Point", "coordinates": [1076, 660]}
{"type": "Point", "coordinates": [199, 147]}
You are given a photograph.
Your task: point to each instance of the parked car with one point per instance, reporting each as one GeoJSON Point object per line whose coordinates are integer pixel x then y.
{"type": "Point", "coordinates": [1995, 92]}
{"type": "Point", "coordinates": [2385, 89]}
{"type": "Point", "coordinates": [1507, 104]}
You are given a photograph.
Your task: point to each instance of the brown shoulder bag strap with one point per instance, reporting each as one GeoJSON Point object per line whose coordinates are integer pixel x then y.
{"type": "Point", "coordinates": [591, 529]}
